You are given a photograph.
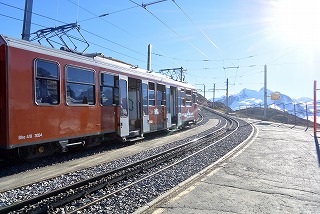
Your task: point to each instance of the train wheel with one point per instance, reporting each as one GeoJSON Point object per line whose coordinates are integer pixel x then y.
{"type": "Point", "coordinates": [29, 153]}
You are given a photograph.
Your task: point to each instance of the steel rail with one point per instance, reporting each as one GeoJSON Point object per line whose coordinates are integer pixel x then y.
{"type": "Point", "coordinates": [153, 174]}
{"type": "Point", "coordinates": [69, 193]}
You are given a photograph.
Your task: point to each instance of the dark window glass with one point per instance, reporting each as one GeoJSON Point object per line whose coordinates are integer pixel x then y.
{"type": "Point", "coordinates": [47, 82]}
{"type": "Point", "coordinates": [182, 96]}
{"type": "Point", "coordinates": [123, 98]}
{"type": "Point", "coordinates": [188, 98]}
{"type": "Point", "coordinates": [145, 99]}
{"type": "Point", "coordinates": [80, 94]}
{"type": "Point", "coordinates": [47, 69]}
{"type": "Point", "coordinates": [109, 90]}
{"type": "Point", "coordinates": [168, 102]}
{"type": "Point", "coordinates": [161, 95]}
{"type": "Point", "coordinates": [116, 95]}
{"type": "Point", "coordinates": [194, 97]}
{"type": "Point", "coordinates": [179, 101]}
{"type": "Point", "coordinates": [106, 96]}
{"type": "Point", "coordinates": [80, 86]}
{"type": "Point", "coordinates": [107, 80]}
{"type": "Point", "coordinates": [80, 75]}
{"type": "Point", "coordinates": [152, 95]}
{"type": "Point", "coordinates": [47, 91]}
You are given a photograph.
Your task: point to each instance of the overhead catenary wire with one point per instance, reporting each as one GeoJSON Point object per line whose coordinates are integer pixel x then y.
{"type": "Point", "coordinates": [241, 74]}
{"type": "Point", "coordinates": [175, 32]}
{"type": "Point", "coordinates": [82, 29]}
{"type": "Point", "coordinates": [98, 16]}
{"type": "Point", "coordinates": [202, 32]}
{"type": "Point", "coordinates": [109, 13]}
{"type": "Point", "coordinates": [17, 19]}
{"type": "Point", "coordinates": [163, 54]}
{"type": "Point", "coordinates": [56, 20]}
{"type": "Point", "coordinates": [197, 26]}
{"type": "Point", "coordinates": [62, 22]}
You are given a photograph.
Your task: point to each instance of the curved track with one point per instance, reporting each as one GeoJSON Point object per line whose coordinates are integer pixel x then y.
{"type": "Point", "coordinates": [164, 161]}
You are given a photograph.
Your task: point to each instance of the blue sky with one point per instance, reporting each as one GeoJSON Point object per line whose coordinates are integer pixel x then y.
{"type": "Point", "coordinates": [213, 40]}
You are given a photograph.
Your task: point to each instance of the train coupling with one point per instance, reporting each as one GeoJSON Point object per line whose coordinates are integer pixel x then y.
{"type": "Point", "coordinates": [64, 144]}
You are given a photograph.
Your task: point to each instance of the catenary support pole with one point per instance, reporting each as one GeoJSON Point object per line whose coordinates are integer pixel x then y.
{"type": "Point", "coordinates": [27, 20]}
{"type": "Point", "coordinates": [227, 96]}
{"type": "Point", "coordinates": [214, 94]}
{"type": "Point", "coordinates": [149, 57]}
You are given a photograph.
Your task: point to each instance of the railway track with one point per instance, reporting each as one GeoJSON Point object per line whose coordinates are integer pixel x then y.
{"type": "Point", "coordinates": [54, 200]}
{"type": "Point", "coordinates": [196, 148]}
{"type": "Point", "coordinates": [14, 166]}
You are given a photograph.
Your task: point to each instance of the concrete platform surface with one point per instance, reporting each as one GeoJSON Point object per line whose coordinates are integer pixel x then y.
{"type": "Point", "coordinates": [277, 172]}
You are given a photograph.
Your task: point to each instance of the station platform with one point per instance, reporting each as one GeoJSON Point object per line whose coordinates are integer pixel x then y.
{"type": "Point", "coordinates": [275, 172]}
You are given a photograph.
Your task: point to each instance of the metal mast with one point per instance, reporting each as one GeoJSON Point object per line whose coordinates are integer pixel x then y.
{"type": "Point", "coordinates": [27, 20]}
{"type": "Point", "coordinates": [149, 57]}
{"type": "Point", "coordinates": [227, 96]}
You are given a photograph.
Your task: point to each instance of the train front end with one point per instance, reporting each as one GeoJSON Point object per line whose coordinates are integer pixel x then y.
{"type": "Point", "coordinates": [3, 98]}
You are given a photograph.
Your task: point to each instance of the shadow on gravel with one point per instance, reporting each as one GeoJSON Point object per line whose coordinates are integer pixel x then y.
{"type": "Point", "coordinates": [17, 166]}
{"type": "Point", "coordinates": [12, 167]}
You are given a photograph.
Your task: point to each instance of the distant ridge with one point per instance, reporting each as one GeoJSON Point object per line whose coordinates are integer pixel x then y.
{"type": "Point", "coordinates": [248, 98]}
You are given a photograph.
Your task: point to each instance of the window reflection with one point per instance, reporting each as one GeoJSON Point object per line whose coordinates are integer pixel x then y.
{"type": "Point", "coordinates": [152, 101]}
{"type": "Point", "coordinates": [145, 99]}
{"type": "Point", "coordinates": [109, 89]}
{"type": "Point", "coordinates": [47, 82]}
{"type": "Point", "coordinates": [80, 86]}
{"type": "Point", "coordinates": [123, 98]}
{"type": "Point", "coordinates": [80, 94]}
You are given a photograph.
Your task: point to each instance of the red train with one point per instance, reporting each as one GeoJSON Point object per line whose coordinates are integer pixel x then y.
{"type": "Point", "coordinates": [51, 99]}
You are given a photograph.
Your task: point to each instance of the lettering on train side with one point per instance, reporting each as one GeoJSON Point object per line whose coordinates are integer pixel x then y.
{"type": "Point", "coordinates": [29, 136]}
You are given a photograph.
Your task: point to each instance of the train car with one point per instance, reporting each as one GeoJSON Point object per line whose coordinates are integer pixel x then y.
{"type": "Point", "coordinates": [52, 99]}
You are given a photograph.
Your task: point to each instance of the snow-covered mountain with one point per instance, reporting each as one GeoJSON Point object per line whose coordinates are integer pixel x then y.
{"type": "Point", "coordinates": [248, 98]}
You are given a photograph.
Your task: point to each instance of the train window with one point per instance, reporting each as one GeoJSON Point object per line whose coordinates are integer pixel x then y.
{"type": "Point", "coordinates": [47, 82]}
{"type": "Point", "coordinates": [179, 100]}
{"type": "Point", "coordinates": [80, 86]}
{"type": "Point", "coordinates": [161, 95]}
{"type": "Point", "coordinates": [182, 96]}
{"type": "Point", "coordinates": [194, 97]}
{"type": "Point", "coordinates": [168, 101]}
{"type": "Point", "coordinates": [109, 89]}
{"type": "Point", "coordinates": [145, 99]}
{"type": "Point", "coordinates": [123, 97]}
{"type": "Point", "coordinates": [152, 98]}
{"type": "Point", "coordinates": [188, 98]}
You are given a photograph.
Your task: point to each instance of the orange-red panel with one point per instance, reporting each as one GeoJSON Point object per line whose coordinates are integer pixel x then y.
{"type": "Point", "coordinates": [30, 123]}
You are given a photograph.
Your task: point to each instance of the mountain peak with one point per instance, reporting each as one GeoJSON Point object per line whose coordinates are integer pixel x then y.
{"type": "Point", "coordinates": [252, 98]}
{"type": "Point", "coordinates": [248, 98]}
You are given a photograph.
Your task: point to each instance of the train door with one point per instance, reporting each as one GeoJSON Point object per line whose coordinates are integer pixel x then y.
{"type": "Point", "coordinates": [145, 107]}
{"type": "Point", "coordinates": [161, 106]}
{"type": "Point", "coordinates": [168, 106]}
{"type": "Point", "coordinates": [124, 114]}
{"type": "Point", "coordinates": [134, 105]}
{"type": "Point", "coordinates": [173, 106]}
{"type": "Point", "coordinates": [179, 122]}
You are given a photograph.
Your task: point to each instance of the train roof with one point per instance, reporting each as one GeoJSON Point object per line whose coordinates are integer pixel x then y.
{"type": "Point", "coordinates": [93, 59]}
